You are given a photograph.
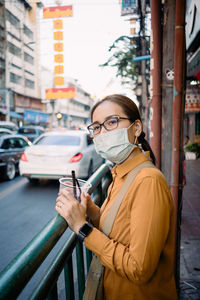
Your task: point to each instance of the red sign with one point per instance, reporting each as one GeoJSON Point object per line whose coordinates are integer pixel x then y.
{"type": "Point", "coordinates": [192, 107]}
{"type": "Point", "coordinates": [60, 93]}
{"type": "Point", "coordinates": [57, 12]}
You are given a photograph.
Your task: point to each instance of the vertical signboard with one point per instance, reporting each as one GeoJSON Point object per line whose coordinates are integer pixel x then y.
{"type": "Point", "coordinates": [58, 13]}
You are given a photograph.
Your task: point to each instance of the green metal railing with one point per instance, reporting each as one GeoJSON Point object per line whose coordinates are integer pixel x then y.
{"type": "Point", "coordinates": [18, 273]}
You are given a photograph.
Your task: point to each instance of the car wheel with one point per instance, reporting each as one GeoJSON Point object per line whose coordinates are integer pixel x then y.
{"type": "Point", "coordinates": [33, 181]}
{"type": "Point", "coordinates": [10, 170]}
{"type": "Point", "coordinates": [90, 169]}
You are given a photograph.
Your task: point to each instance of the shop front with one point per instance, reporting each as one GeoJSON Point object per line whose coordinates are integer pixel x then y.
{"type": "Point", "coordinates": [192, 103]}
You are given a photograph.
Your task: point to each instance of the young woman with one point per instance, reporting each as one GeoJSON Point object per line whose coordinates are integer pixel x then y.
{"type": "Point", "coordinates": [138, 254]}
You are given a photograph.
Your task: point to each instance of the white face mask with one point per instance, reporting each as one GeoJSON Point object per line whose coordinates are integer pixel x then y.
{"type": "Point", "coordinates": [114, 145]}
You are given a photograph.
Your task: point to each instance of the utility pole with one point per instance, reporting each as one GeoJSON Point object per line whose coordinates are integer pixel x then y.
{"type": "Point", "coordinates": [156, 67]}
{"type": "Point", "coordinates": [143, 45]}
{"type": "Point", "coordinates": [169, 10]}
{"type": "Point", "coordinates": [177, 123]}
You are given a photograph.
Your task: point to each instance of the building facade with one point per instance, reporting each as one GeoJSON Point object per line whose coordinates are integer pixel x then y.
{"type": "Point", "coordinates": [19, 59]}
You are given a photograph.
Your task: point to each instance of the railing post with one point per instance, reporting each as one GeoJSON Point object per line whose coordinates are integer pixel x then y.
{"type": "Point", "coordinates": [98, 192]}
{"type": "Point", "coordinates": [88, 258]}
{"type": "Point", "coordinates": [69, 281]}
{"type": "Point", "coordinates": [80, 269]}
{"type": "Point", "coordinates": [53, 294]}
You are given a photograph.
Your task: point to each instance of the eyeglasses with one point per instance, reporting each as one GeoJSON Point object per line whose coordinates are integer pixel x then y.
{"type": "Point", "coordinates": [109, 124]}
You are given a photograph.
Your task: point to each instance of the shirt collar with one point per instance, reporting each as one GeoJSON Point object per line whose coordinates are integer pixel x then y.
{"type": "Point", "coordinates": [124, 168]}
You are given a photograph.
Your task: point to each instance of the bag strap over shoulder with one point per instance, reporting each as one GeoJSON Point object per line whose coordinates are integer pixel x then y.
{"type": "Point", "coordinates": [111, 215]}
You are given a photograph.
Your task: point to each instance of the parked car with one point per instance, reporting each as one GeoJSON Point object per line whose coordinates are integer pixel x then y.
{"type": "Point", "coordinates": [4, 131]}
{"type": "Point", "coordinates": [9, 125]}
{"type": "Point", "coordinates": [56, 153]}
{"type": "Point", "coordinates": [11, 148]}
{"type": "Point", "coordinates": [31, 132]}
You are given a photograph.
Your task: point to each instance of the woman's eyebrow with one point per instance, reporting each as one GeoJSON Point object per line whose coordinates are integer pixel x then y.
{"type": "Point", "coordinates": [108, 117]}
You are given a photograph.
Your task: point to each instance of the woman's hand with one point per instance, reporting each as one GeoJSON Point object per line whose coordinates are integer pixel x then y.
{"type": "Point", "coordinates": [71, 210]}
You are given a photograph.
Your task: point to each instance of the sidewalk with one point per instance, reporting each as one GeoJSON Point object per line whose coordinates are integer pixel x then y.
{"type": "Point", "coordinates": [190, 234]}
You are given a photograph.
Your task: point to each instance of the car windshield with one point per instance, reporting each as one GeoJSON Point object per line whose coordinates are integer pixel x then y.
{"type": "Point", "coordinates": [63, 140]}
{"type": "Point", "coordinates": [26, 130]}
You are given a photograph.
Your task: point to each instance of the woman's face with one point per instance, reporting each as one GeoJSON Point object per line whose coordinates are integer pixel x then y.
{"type": "Point", "coordinates": [107, 109]}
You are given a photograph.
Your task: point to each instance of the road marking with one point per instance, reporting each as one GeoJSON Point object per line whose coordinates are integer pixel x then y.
{"type": "Point", "coordinates": [12, 188]}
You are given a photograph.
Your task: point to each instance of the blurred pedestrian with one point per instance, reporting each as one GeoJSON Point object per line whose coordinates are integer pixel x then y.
{"type": "Point", "coordinates": [133, 244]}
{"type": "Point", "coordinates": [187, 141]}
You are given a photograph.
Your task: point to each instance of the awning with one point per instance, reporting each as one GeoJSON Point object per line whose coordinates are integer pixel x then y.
{"type": "Point", "coordinates": [15, 115]}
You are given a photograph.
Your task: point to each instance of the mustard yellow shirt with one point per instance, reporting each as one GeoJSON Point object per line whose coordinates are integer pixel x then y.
{"type": "Point", "coordinates": [138, 255]}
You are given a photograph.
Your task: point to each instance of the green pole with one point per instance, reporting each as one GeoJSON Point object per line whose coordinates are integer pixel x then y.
{"type": "Point", "coordinates": [80, 269]}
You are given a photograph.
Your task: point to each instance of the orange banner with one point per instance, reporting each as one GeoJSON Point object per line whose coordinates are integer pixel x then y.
{"type": "Point", "coordinates": [59, 69]}
{"type": "Point", "coordinates": [58, 47]}
{"type": "Point", "coordinates": [60, 93]}
{"type": "Point", "coordinates": [59, 58]}
{"type": "Point", "coordinates": [59, 80]}
{"type": "Point", "coordinates": [57, 12]}
{"type": "Point", "coordinates": [58, 35]}
{"type": "Point", "coordinates": [58, 24]}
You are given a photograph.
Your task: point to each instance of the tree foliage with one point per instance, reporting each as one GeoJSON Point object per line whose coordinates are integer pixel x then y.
{"type": "Point", "coordinates": [123, 50]}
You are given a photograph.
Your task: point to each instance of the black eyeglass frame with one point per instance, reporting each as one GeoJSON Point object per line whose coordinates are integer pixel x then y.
{"type": "Point", "coordinates": [118, 118]}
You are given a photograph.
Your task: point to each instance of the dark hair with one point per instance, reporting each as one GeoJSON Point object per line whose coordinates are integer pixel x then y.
{"type": "Point", "coordinates": [131, 111]}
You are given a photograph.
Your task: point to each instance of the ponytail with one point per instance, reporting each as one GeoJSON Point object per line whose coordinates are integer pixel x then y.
{"type": "Point", "coordinates": [146, 146]}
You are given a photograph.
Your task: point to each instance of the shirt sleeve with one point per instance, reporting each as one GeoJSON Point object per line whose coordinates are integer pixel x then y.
{"type": "Point", "coordinates": [149, 228]}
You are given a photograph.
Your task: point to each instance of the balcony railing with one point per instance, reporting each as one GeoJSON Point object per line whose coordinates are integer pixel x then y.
{"type": "Point", "coordinates": [19, 272]}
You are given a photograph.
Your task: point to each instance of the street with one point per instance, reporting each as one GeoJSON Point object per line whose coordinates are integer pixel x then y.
{"type": "Point", "coordinates": [25, 210]}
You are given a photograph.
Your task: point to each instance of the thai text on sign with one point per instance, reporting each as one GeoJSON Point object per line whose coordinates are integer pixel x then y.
{"type": "Point", "coordinates": [60, 93]}
{"type": "Point", "coordinates": [57, 12]}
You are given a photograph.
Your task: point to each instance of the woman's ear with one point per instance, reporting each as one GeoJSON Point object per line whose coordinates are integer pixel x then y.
{"type": "Point", "coordinates": [134, 131]}
{"type": "Point", "coordinates": [138, 128]}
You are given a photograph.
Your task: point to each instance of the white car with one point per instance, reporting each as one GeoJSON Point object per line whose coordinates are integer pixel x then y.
{"type": "Point", "coordinates": [56, 153]}
{"type": "Point", "coordinates": [5, 131]}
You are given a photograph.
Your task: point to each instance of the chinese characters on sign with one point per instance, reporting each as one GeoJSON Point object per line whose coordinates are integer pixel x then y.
{"type": "Point", "coordinates": [58, 12]}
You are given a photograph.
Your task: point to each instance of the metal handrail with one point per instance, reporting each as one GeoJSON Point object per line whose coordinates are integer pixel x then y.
{"type": "Point", "coordinates": [20, 270]}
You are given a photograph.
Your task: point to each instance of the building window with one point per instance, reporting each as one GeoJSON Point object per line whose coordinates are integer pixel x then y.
{"type": "Point", "coordinates": [29, 84]}
{"type": "Point", "coordinates": [29, 73]}
{"type": "Point", "coordinates": [14, 49]}
{"type": "Point", "coordinates": [15, 78]}
{"type": "Point", "coordinates": [15, 66]}
{"type": "Point", "coordinates": [28, 58]}
{"type": "Point", "coordinates": [14, 37]}
{"type": "Point", "coordinates": [28, 32]}
{"type": "Point", "coordinates": [12, 19]}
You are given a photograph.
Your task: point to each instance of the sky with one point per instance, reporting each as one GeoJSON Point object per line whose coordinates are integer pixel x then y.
{"type": "Point", "coordinates": [95, 25]}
